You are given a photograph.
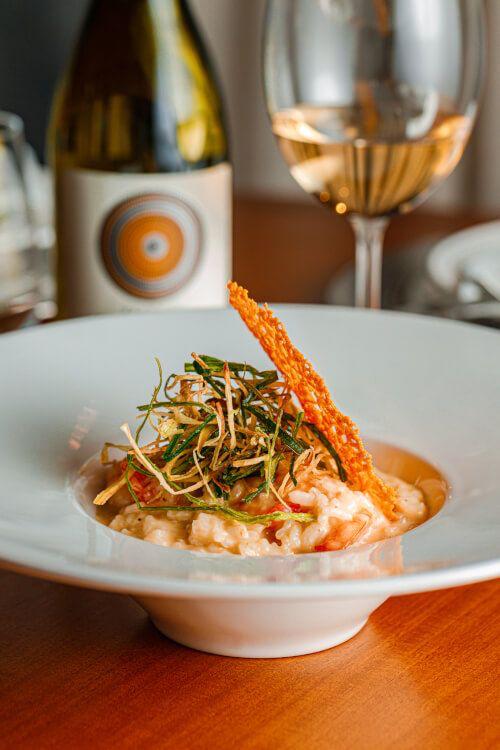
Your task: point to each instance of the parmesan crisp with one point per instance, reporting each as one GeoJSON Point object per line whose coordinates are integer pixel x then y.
{"type": "Point", "coordinates": [314, 398]}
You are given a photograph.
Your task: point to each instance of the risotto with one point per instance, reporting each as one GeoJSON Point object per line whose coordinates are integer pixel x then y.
{"type": "Point", "coordinates": [343, 517]}
{"type": "Point", "coordinates": [251, 462]}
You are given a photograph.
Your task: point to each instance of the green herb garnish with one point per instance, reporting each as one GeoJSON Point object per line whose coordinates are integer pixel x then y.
{"type": "Point", "coordinates": [218, 425]}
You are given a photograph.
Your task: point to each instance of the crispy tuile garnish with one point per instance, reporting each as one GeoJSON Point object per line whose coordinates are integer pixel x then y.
{"type": "Point", "coordinates": [314, 398]}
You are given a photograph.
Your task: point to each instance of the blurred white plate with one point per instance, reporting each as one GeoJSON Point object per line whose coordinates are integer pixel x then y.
{"type": "Point", "coordinates": [468, 259]}
{"type": "Point", "coordinates": [428, 386]}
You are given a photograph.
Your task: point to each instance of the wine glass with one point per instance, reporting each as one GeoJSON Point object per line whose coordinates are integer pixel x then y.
{"type": "Point", "coordinates": [20, 270]}
{"type": "Point", "coordinates": [372, 103]}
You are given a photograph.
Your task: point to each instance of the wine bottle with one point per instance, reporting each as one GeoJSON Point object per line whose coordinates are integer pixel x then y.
{"type": "Point", "coordinates": [139, 150]}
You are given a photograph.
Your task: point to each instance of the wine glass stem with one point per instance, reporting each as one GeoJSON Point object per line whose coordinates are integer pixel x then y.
{"type": "Point", "coordinates": [369, 234]}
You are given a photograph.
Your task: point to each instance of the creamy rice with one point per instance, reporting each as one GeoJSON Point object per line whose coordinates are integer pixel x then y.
{"type": "Point", "coordinates": [345, 517]}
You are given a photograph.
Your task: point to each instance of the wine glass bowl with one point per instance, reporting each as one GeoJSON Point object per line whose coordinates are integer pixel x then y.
{"type": "Point", "coordinates": [372, 103]}
{"type": "Point", "coordinates": [20, 269]}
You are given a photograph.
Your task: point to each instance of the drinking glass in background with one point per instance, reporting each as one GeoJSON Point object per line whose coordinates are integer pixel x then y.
{"type": "Point", "coordinates": [25, 241]}
{"type": "Point", "coordinates": [372, 103]}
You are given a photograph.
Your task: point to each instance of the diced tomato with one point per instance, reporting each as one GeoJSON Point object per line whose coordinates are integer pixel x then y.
{"type": "Point", "coordinates": [274, 525]}
{"type": "Point", "coordinates": [321, 548]}
{"type": "Point", "coordinates": [330, 545]}
{"type": "Point", "coordinates": [279, 508]}
{"type": "Point", "coordinates": [138, 478]}
{"type": "Point", "coordinates": [144, 487]}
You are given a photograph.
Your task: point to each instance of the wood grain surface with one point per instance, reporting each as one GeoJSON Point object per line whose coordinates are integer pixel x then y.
{"type": "Point", "coordinates": [83, 669]}
{"type": "Point", "coordinates": [87, 669]}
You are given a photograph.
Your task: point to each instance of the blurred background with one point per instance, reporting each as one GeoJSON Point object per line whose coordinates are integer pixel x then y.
{"type": "Point", "coordinates": [36, 38]}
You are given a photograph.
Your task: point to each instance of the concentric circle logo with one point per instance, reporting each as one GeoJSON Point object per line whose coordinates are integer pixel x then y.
{"type": "Point", "coordinates": [150, 244]}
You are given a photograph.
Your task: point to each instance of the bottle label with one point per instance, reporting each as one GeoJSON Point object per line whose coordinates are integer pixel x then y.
{"type": "Point", "coordinates": [143, 241]}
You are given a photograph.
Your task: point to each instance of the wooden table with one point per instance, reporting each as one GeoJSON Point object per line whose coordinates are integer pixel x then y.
{"type": "Point", "coordinates": [86, 669]}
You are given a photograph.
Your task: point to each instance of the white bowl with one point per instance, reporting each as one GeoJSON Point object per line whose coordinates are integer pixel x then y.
{"type": "Point", "coordinates": [429, 387]}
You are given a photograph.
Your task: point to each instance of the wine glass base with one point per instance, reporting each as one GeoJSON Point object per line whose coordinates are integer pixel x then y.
{"type": "Point", "coordinates": [406, 286]}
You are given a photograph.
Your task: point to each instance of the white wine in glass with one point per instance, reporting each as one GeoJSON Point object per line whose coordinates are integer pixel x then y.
{"type": "Point", "coordinates": [372, 103]}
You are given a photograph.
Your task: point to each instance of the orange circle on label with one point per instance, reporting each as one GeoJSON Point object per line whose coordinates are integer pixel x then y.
{"type": "Point", "coordinates": [150, 244]}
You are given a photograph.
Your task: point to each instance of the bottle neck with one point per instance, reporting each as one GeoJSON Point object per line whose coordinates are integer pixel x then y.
{"type": "Point", "coordinates": [161, 10]}
{"type": "Point", "coordinates": [155, 5]}
{"type": "Point", "coordinates": [117, 23]}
